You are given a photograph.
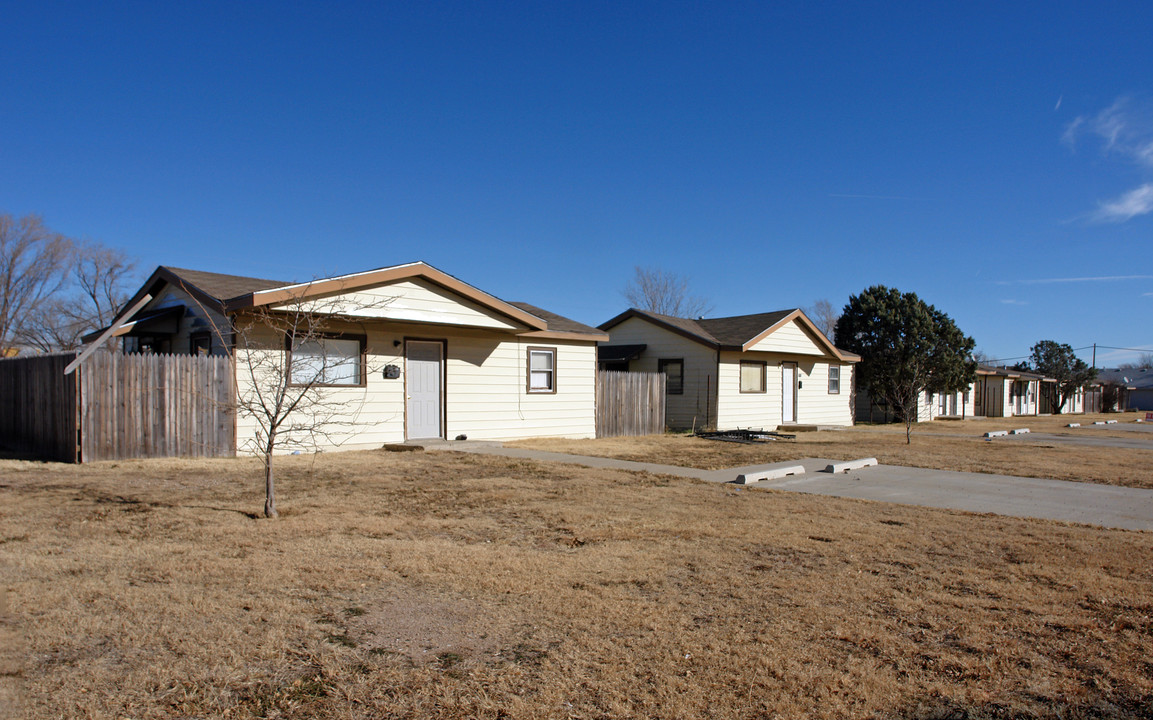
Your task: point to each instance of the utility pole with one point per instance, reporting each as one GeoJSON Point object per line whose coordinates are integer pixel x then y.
{"type": "Point", "coordinates": [1094, 356]}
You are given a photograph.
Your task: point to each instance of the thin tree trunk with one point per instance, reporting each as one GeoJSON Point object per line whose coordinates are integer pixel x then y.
{"type": "Point", "coordinates": [269, 486]}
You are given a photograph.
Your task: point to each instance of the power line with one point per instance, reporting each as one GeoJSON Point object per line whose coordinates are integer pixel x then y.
{"type": "Point", "coordinates": [994, 361]}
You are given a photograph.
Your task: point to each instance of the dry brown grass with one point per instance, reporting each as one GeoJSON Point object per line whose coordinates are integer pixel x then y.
{"type": "Point", "coordinates": [444, 585]}
{"type": "Point", "coordinates": [941, 445]}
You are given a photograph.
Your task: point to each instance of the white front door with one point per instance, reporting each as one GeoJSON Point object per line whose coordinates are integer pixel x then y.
{"type": "Point", "coordinates": [789, 392]}
{"type": "Point", "coordinates": [422, 386]}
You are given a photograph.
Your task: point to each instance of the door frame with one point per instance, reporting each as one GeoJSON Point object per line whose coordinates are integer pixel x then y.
{"type": "Point", "coordinates": [796, 382]}
{"type": "Point", "coordinates": [443, 343]}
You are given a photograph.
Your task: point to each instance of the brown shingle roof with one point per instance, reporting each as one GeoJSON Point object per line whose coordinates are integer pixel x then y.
{"type": "Point", "coordinates": [220, 286]}
{"type": "Point", "coordinates": [556, 323]}
{"type": "Point", "coordinates": [740, 329]}
{"type": "Point", "coordinates": [724, 333]}
{"type": "Point", "coordinates": [732, 331]}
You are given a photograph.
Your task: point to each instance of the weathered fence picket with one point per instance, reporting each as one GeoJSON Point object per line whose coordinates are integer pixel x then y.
{"type": "Point", "coordinates": [630, 403]}
{"type": "Point", "coordinates": [117, 406]}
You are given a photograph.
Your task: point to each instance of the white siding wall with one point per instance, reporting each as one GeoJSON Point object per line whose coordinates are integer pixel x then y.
{"type": "Point", "coordinates": [1028, 400]}
{"type": "Point", "coordinates": [487, 397]}
{"type": "Point", "coordinates": [759, 411]}
{"type": "Point", "coordinates": [790, 339]}
{"type": "Point", "coordinates": [961, 405]}
{"type": "Point", "coordinates": [416, 301]}
{"type": "Point", "coordinates": [815, 405]}
{"type": "Point", "coordinates": [1075, 403]}
{"type": "Point", "coordinates": [485, 387]}
{"type": "Point", "coordinates": [697, 405]}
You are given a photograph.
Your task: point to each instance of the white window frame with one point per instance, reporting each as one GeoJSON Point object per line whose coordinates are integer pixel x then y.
{"type": "Point", "coordinates": [834, 379]}
{"type": "Point", "coordinates": [327, 368]}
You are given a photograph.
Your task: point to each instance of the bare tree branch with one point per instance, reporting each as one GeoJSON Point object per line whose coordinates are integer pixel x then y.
{"type": "Point", "coordinates": [99, 277]}
{"type": "Point", "coordinates": [303, 389]}
{"type": "Point", "coordinates": [665, 293]}
{"type": "Point", "coordinates": [825, 317]}
{"type": "Point", "coordinates": [33, 263]}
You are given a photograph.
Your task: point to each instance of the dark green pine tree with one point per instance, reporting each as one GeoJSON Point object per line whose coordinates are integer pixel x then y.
{"type": "Point", "coordinates": [1056, 360]}
{"type": "Point", "coordinates": [907, 347]}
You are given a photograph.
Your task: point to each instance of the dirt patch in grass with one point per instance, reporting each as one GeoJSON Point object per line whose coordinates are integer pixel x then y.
{"type": "Point", "coordinates": [940, 445]}
{"type": "Point", "coordinates": [451, 586]}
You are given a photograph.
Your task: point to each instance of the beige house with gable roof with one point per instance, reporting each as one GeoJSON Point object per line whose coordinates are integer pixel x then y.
{"type": "Point", "coordinates": [415, 353]}
{"type": "Point", "coordinates": [760, 371]}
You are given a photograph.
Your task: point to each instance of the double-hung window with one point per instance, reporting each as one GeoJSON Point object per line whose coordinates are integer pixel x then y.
{"type": "Point", "coordinates": [674, 371]}
{"type": "Point", "coordinates": [542, 370]}
{"type": "Point", "coordinates": [834, 380]}
{"type": "Point", "coordinates": [335, 360]}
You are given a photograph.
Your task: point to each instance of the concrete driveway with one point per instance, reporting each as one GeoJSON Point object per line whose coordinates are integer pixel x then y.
{"type": "Point", "coordinates": [1088, 503]}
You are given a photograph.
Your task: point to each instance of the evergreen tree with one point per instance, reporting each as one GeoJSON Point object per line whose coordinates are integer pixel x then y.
{"type": "Point", "coordinates": [1056, 360]}
{"type": "Point", "coordinates": [907, 347]}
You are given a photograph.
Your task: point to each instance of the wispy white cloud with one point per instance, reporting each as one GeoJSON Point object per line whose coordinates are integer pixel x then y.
{"type": "Point", "coordinates": [1125, 130]}
{"type": "Point", "coordinates": [1087, 279]}
{"type": "Point", "coordinates": [1146, 294]}
{"type": "Point", "coordinates": [1138, 201]}
{"type": "Point", "coordinates": [1014, 302]}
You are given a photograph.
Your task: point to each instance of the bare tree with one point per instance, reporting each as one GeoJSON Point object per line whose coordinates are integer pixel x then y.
{"type": "Point", "coordinates": [1144, 361]}
{"type": "Point", "coordinates": [33, 265]}
{"type": "Point", "coordinates": [981, 357]}
{"type": "Point", "coordinates": [665, 293]}
{"type": "Point", "coordinates": [300, 383]}
{"type": "Point", "coordinates": [825, 317]}
{"type": "Point", "coordinates": [98, 280]}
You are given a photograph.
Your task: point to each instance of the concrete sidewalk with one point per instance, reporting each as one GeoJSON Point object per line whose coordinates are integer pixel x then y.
{"type": "Point", "coordinates": [1088, 503]}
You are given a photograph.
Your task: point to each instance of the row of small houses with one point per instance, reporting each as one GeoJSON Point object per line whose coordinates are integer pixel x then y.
{"type": "Point", "coordinates": [1001, 392]}
{"type": "Point", "coordinates": [422, 356]}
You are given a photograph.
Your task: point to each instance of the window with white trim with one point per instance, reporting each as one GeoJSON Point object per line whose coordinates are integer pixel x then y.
{"type": "Point", "coordinates": [834, 380]}
{"type": "Point", "coordinates": [541, 370]}
{"type": "Point", "coordinates": [752, 376]}
{"type": "Point", "coordinates": [327, 361]}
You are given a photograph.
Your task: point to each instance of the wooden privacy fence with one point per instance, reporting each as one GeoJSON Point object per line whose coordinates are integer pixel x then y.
{"type": "Point", "coordinates": [38, 407]}
{"type": "Point", "coordinates": [118, 406]}
{"type": "Point", "coordinates": [156, 406]}
{"type": "Point", "coordinates": [630, 403]}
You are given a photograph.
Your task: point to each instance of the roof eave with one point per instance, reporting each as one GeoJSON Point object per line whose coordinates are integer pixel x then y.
{"type": "Point", "coordinates": [796, 314]}
{"type": "Point", "coordinates": [648, 317]}
{"type": "Point", "coordinates": [563, 335]}
{"type": "Point", "coordinates": [380, 276]}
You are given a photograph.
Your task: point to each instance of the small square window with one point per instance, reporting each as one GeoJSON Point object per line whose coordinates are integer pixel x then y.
{"type": "Point", "coordinates": [541, 370]}
{"type": "Point", "coordinates": [834, 380]}
{"type": "Point", "coordinates": [752, 377]}
{"type": "Point", "coordinates": [674, 371]}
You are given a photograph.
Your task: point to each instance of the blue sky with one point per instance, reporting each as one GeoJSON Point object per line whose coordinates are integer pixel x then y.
{"type": "Point", "coordinates": [994, 158]}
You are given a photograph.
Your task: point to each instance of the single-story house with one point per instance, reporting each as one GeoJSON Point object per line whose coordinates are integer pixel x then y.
{"type": "Point", "coordinates": [760, 371]}
{"type": "Point", "coordinates": [1135, 386]}
{"type": "Point", "coordinates": [1006, 392]}
{"type": "Point", "coordinates": [997, 392]}
{"type": "Point", "coordinates": [930, 406]}
{"type": "Point", "coordinates": [413, 352]}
